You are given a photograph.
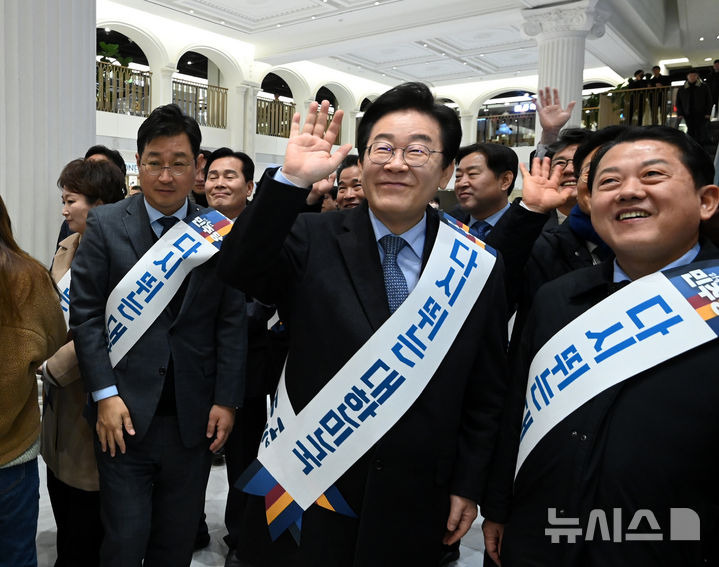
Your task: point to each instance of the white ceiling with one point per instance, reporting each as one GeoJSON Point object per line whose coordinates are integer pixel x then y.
{"type": "Point", "coordinates": [445, 41]}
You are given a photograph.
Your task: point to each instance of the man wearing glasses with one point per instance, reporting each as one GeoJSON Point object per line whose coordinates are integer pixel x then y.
{"type": "Point", "coordinates": [335, 278]}
{"type": "Point", "coordinates": [169, 401]}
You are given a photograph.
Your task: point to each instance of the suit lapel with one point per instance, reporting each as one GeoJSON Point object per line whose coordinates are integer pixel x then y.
{"type": "Point", "coordinates": [361, 257]}
{"type": "Point", "coordinates": [137, 225]}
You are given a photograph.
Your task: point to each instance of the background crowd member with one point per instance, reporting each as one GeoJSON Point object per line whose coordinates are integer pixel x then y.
{"type": "Point", "coordinates": [98, 153]}
{"type": "Point", "coordinates": [431, 463]}
{"type": "Point", "coordinates": [32, 328]}
{"type": "Point", "coordinates": [483, 180]}
{"type": "Point", "coordinates": [658, 99]}
{"type": "Point", "coordinates": [637, 100]}
{"type": "Point", "coordinates": [329, 203]}
{"type": "Point", "coordinates": [162, 410]}
{"type": "Point", "coordinates": [694, 105]}
{"type": "Point", "coordinates": [349, 183]}
{"type": "Point", "coordinates": [713, 82]}
{"type": "Point", "coordinates": [67, 439]}
{"type": "Point", "coordinates": [197, 195]}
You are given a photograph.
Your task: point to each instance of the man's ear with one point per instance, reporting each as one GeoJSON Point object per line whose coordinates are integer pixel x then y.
{"type": "Point", "coordinates": [506, 179]}
{"type": "Point", "coordinates": [447, 173]}
{"type": "Point", "coordinates": [200, 161]}
{"type": "Point", "coordinates": [708, 200]}
{"type": "Point", "coordinates": [250, 188]}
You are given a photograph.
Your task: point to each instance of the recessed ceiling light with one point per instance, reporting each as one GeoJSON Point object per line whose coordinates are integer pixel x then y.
{"type": "Point", "coordinates": [222, 22]}
{"type": "Point", "coordinates": [707, 59]}
{"type": "Point", "coordinates": [313, 17]}
{"type": "Point", "coordinates": [464, 63]}
{"type": "Point", "coordinates": [382, 73]}
{"type": "Point", "coordinates": [107, 30]}
{"type": "Point", "coordinates": [189, 62]}
{"type": "Point", "coordinates": [424, 45]}
{"type": "Point", "coordinates": [376, 3]}
{"type": "Point", "coordinates": [701, 39]}
{"type": "Point", "coordinates": [443, 54]}
{"type": "Point", "coordinates": [394, 68]}
{"type": "Point", "coordinates": [481, 54]}
{"type": "Point", "coordinates": [192, 11]}
{"type": "Point", "coordinates": [278, 26]}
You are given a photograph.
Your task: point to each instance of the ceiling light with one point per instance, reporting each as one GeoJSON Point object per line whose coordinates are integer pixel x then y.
{"type": "Point", "coordinates": [664, 62]}
{"type": "Point", "coordinates": [376, 3]}
{"type": "Point", "coordinates": [278, 25]}
{"type": "Point", "coordinates": [189, 62]}
{"type": "Point", "coordinates": [313, 17]}
{"type": "Point", "coordinates": [481, 54]}
{"type": "Point", "coordinates": [192, 11]}
{"type": "Point", "coordinates": [464, 63]}
{"type": "Point", "coordinates": [707, 59]}
{"type": "Point", "coordinates": [424, 45]}
{"type": "Point", "coordinates": [107, 30]}
{"type": "Point", "coordinates": [222, 23]}
{"type": "Point", "coordinates": [701, 39]}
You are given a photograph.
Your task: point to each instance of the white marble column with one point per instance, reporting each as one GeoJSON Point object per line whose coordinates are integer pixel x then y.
{"type": "Point", "coordinates": [469, 128]}
{"type": "Point", "coordinates": [349, 128]}
{"type": "Point", "coordinates": [47, 110]}
{"type": "Point", "coordinates": [162, 86]}
{"type": "Point", "coordinates": [561, 33]}
{"type": "Point", "coordinates": [249, 119]}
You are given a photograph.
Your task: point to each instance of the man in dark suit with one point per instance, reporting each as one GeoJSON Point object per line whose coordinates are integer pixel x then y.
{"type": "Point", "coordinates": [170, 401]}
{"type": "Point", "coordinates": [645, 443]}
{"type": "Point", "coordinates": [420, 483]}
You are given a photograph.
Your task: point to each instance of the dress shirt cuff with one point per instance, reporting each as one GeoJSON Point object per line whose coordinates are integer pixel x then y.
{"type": "Point", "coordinates": [105, 393]}
{"type": "Point", "coordinates": [279, 176]}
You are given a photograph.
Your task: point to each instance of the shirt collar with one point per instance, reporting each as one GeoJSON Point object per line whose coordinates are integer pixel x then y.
{"type": "Point", "coordinates": [491, 219]}
{"type": "Point", "coordinates": [154, 214]}
{"type": "Point", "coordinates": [414, 236]}
{"type": "Point", "coordinates": [620, 275]}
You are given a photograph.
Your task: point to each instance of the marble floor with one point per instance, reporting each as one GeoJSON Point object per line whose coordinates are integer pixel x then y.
{"type": "Point", "coordinates": [471, 551]}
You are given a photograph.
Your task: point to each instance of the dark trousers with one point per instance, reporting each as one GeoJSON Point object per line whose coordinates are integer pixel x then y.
{"type": "Point", "coordinates": [152, 498]}
{"type": "Point", "coordinates": [77, 516]}
{"type": "Point", "coordinates": [240, 451]}
{"type": "Point", "coordinates": [697, 128]}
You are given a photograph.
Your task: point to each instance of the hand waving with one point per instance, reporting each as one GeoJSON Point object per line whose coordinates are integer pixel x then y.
{"type": "Point", "coordinates": [308, 158]}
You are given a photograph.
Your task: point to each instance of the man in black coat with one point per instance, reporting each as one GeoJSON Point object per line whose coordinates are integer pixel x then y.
{"type": "Point", "coordinates": [645, 443]}
{"type": "Point", "coordinates": [419, 484]}
{"type": "Point", "coordinates": [694, 104]}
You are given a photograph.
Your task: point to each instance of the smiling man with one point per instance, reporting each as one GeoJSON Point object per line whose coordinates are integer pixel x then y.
{"type": "Point", "coordinates": [483, 180]}
{"type": "Point", "coordinates": [619, 445]}
{"type": "Point", "coordinates": [229, 181]}
{"type": "Point", "coordinates": [340, 279]}
{"type": "Point", "coordinates": [349, 183]}
{"type": "Point", "coordinates": [162, 407]}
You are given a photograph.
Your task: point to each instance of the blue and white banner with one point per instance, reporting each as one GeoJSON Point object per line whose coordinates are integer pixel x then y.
{"type": "Point", "coordinates": [306, 453]}
{"type": "Point", "coordinates": [152, 282]}
{"type": "Point", "coordinates": [64, 286]}
{"type": "Point", "coordinates": [643, 324]}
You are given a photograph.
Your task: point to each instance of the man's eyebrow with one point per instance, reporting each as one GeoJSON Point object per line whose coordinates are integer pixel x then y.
{"type": "Point", "coordinates": [654, 161]}
{"type": "Point", "coordinates": [413, 137]}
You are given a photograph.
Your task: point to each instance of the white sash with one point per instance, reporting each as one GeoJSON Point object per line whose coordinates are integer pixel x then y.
{"type": "Point", "coordinates": [308, 452]}
{"type": "Point", "coordinates": [145, 291]}
{"type": "Point", "coordinates": [644, 324]}
{"type": "Point", "coordinates": [64, 286]}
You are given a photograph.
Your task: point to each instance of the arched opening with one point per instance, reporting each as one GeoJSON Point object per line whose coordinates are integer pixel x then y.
{"type": "Point", "coordinates": [275, 107]}
{"type": "Point", "coordinates": [123, 78]}
{"type": "Point", "coordinates": [324, 93]}
{"type": "Point", "coordinates": [508, 118]}
{"type": "Point", "coordinates": [196, 88]}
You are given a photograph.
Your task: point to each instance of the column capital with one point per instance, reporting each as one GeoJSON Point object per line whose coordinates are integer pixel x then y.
{"type": "Point", "coordinates": [584, 17]}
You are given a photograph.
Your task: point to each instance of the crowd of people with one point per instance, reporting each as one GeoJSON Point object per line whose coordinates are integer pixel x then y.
{"type": "Point", "coordinates": [376, 371]}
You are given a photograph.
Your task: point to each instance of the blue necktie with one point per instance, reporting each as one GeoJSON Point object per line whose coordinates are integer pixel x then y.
{"type": "Point", "coordinates": [394, 281]}
{"type": "Point", "coordinates": [167, 223]}
{"type": "Point", "coordinates": [480, 229]}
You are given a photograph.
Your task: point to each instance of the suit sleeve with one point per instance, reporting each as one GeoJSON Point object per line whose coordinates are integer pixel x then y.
{"type": "Point", "coordinates": [485, 393]}
{"type": "Point", "coordinates": [261, 256]}
{"type": "Point", "coordinates": [514, 236]}
{"type": "Point", "coordinates": [89, 291]}
{"type": "Point", "coordinates": [231, 341]}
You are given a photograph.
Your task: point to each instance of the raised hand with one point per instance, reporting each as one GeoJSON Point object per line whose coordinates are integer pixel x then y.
{"type": "Point", "coordinates": [552, 117]}
{"type": "Point", "coordinates": [540, 188]}
{"type": "Point", "coordinates": [308, 157]}
{"type": "Point", "coordinates": [321, 188]}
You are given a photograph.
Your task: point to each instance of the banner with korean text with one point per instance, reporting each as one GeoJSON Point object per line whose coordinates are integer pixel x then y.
{"type": "Point", "coordinates": [151, 283]}
{"type": "Point", "coordinates": [643, 324]}
{"type": "Point", "coordinates": [302, 455]}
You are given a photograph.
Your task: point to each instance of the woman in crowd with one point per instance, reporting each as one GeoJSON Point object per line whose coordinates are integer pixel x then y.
{"type": "Point", "coordinates": [67, 438]}
{"type": "Point", "coordinates": [31, 329]}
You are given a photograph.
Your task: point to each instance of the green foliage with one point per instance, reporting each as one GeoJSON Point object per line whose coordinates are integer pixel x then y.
{"type": "Point", "coordinates": [111, 51]}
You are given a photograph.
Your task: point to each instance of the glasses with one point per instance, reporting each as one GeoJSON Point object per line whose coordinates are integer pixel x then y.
{"type": "Point", "coordinates": [561, 162]}
{"type": "Point", "coordinates": [155, 168]}
{"type": "Point", "coordinates": [414, 155]}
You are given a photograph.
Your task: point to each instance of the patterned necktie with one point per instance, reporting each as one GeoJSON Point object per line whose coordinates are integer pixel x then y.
{"type": "Point", "coordinates": [167, 223]}
{"type": "Point", "coordinates": [480, 229]}
{"type": "Point", "coordinates": [394, 281]}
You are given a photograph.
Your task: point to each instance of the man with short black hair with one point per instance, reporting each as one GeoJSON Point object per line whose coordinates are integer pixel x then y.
{"type": "Point", "coordinates": [694, 105]}
{"type": "Point", "coordinates": [166, 369]}
{"type": "Point", "coordinates": [483, 180]}
{"type": "Point", "coordinates": [349, 183]}
{"type": "Point", "coordinates": [341, 280]}
{"type": "Point", "coordinates": [229, 181]}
